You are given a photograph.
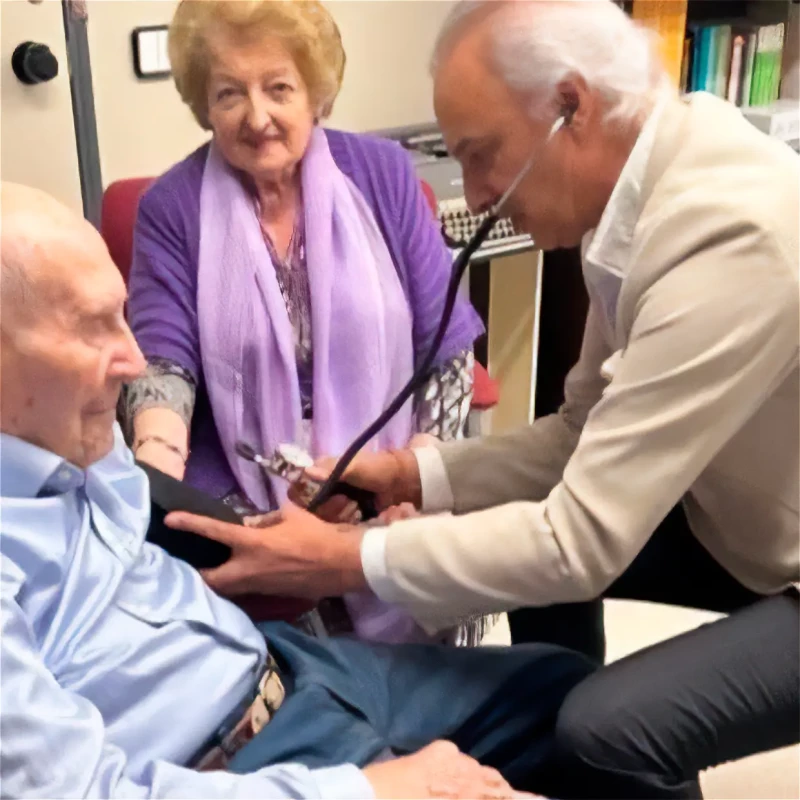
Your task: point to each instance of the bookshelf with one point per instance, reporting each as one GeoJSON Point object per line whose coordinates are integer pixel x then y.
{"type": "Point", "coordinates": [745, 51]}
{"type": "Point", "coordinates": [733, 48]}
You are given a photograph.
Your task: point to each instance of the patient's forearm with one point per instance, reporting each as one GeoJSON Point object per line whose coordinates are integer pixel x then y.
{"type": "Point", "coordinates": [161, 439]}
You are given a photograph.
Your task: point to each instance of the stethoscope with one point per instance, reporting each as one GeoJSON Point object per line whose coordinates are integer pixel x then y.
{"type": "Point", "coordinates": [289, 462]}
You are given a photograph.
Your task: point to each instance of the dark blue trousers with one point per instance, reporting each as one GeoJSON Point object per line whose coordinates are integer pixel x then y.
{"type": "Point", "coordinates": [351, 702]}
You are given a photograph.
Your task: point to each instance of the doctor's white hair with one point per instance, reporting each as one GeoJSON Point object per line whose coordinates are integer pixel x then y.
{"type": "Point", "coordinates": [537, 44]}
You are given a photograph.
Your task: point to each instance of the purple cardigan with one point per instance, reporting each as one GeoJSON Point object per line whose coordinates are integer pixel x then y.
{"type": "Point", "coordinates": [162, 304]}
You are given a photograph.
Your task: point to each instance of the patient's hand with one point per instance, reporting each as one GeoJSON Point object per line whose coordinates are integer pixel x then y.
{"type": "Point", "coordinates": [438, 771]}
{"type": "Point", "coordinates": [394, 514]}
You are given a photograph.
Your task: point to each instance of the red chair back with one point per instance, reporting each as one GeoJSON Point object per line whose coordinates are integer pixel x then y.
{"type": "Point", "coordinates": [118, 217]}
{"type": "Point", "coordinates": [430, 196]}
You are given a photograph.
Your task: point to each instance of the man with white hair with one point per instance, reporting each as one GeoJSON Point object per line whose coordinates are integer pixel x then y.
{"type": "Point", "coordinates": [671, 472]}
{"type": "Point", "coordinates": [123, 675]}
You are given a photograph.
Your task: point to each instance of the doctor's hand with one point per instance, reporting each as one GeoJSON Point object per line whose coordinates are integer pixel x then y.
{"type": "Point", "coordinates": [392, 475]}
{"type": "Point", "coordinates": [394, 514]}
{"type": "Point", "coordinates": [295, 555]}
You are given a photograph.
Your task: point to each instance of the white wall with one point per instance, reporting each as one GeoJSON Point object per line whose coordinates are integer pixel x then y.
{"type": "Point", "coordinates": [388, 45]}
{"type": "Point", "coordinates": [143, 127]}
{"type": "Point", "coordinates": [37, 137]}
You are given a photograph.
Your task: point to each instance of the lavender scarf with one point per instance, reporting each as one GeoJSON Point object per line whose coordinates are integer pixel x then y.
{"type": "Point", "coordinates": [361, 334]}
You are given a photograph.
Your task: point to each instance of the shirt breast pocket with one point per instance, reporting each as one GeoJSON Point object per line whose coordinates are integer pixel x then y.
{"type": "Point", "coordinates": [161, 591]}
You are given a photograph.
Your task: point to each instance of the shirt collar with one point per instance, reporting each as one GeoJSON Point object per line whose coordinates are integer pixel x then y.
{"type": "Point", "coordinates": [28, 471]}
{"type": "Point", "coordinates": [609, 244]}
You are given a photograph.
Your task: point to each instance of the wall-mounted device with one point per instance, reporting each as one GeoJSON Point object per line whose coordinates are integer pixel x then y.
{"type": "Point", "coordinates": [34, 63]}
{"type": "Point", "coordinates": [442, 173]}
{"type": "Point", "coordinates": [150, 56]}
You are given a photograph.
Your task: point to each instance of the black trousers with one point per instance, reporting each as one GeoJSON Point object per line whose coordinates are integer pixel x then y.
{"type": "Point", "coordinates": [645, 726]}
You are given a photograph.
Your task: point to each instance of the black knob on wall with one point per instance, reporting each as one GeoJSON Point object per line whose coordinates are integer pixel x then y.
{"type": "Point", "coordinates": [34, 63]}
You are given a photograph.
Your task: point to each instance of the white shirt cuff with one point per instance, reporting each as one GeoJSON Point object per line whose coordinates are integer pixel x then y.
{"type": "Point", "coordinates": [437, 495]}
{"type": "Point", "coordinates": [373, 562]}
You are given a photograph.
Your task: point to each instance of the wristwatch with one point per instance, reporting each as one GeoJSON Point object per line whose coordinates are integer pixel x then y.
{"type": "Point", "coordinates": [289, 462]}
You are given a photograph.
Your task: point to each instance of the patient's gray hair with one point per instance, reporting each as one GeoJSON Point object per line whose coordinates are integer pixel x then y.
{"type": "Point", "coordinates": [536, 44]}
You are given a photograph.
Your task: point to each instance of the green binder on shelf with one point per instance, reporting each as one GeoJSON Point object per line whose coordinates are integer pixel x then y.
{"type": "Point", "coordinates": [777, 63]}
{"type": "Point", "coordinates": [767, 69]}
{"type": "Point", "coordinates": [710, 62]}
{"type": "Point", "coordinates": [723, 62]}
{"type": "Point", "coordinates": [748, 66]}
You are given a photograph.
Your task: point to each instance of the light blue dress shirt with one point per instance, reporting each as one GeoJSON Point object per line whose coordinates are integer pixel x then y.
{"type": "Point", "coordinates": [118, 664]}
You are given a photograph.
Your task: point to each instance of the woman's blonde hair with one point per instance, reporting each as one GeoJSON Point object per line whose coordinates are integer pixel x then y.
{"type": "Point", "coordinates": [305, 27]}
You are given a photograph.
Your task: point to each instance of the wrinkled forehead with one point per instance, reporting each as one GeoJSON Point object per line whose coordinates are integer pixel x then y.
{"type": "Point", "coordinates": [81, 276]}
{"type": "Point", "coordinates": [65, 269]}
{"type": "Point", "coordinates": [234, 54]}
{"type": "Point", "coordinates": [471, 100]}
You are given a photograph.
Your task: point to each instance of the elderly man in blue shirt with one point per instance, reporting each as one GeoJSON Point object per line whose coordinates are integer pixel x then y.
{"type": "Point", "coordinates": [123, 674]}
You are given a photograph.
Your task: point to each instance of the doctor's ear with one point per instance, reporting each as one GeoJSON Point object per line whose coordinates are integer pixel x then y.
{"type": "Point", "coordinates": [569, 110]}
{"type": "Point", "coordinates": [574, 102]}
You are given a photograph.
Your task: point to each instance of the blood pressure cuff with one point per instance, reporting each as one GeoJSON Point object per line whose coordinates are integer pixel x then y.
{"type": "Point", "coordinates": [168, 494]}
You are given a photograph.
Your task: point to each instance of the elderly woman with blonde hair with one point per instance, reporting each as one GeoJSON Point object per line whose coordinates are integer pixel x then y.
{"type": "Point", "coordinates": [285, 277]}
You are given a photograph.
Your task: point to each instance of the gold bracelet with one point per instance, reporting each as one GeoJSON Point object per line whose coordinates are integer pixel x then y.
{"type": "Point", "coordinates": [153, 438]}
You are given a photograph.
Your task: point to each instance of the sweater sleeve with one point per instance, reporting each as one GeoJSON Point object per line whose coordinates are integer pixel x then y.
{"type": "Point", "coordinates": [162, 306]}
